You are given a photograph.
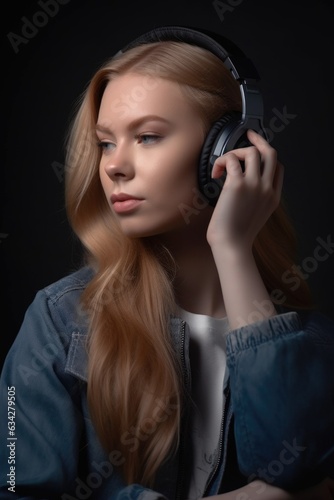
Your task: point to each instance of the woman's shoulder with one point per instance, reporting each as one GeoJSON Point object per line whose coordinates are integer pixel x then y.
{"type": "Point", "coordinates": [67, 289]}
{"type": "Point", "coordinates": [75, 281]}
{"type": "Point", "coordinates": [59, 302]}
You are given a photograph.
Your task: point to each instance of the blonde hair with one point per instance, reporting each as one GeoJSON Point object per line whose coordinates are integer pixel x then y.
{"type": "Point", "coordinates": [132, 369]}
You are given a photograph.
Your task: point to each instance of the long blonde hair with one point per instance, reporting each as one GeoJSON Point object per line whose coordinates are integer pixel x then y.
{"type": "Point", "coordinates": [133, 372]}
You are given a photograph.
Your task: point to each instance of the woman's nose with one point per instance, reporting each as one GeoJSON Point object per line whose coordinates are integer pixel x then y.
{"type": "Point", "coordinates": [120, 164]}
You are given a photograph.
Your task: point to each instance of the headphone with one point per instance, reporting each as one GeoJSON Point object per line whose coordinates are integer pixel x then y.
{"type": "Point", "coordinates": [229, 132]}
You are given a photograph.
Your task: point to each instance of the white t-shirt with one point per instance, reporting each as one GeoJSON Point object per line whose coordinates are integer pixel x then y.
{"type": "Point", "coordinates": [208, 372]}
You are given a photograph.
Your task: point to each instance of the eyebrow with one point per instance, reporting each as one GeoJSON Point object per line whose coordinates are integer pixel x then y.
{"type": "Point", "coordinates": [135, 123]}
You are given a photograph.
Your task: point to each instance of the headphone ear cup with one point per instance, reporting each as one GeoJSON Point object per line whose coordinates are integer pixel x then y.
{"type": "Point", "coordinates": [211, 188]}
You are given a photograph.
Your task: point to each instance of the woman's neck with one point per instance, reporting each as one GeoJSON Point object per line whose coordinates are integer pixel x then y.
{"type": "Point", "coordinates": [196, 283]}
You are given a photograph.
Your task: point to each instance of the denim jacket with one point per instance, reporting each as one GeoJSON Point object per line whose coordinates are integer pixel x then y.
{"type": "Point", "coordinates": [278, 423]}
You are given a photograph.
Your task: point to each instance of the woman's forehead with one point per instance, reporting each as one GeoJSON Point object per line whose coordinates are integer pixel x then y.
{"type": "Point", "coordinates": [133, 95]}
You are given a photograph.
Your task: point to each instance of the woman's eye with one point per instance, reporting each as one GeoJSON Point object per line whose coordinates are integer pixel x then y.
{"type": "Point", "coordinates": [148, 138]}
{"type": "Point", "coordinates": [106, 146]}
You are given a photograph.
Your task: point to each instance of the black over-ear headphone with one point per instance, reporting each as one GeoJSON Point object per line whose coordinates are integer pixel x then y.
{"type": "Point", "coordinates": [229, 132]}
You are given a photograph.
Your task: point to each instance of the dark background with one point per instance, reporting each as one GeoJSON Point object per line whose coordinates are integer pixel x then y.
{"type": "Point", "coordinates": [289, 42]}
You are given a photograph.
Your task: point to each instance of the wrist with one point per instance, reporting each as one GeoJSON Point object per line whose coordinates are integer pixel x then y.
{"type": "Point", "coordinates": [246, 297]}
{"type": "Point", "coordinates": [231, 252]}
{"type": "Point", "coordinates": [222, 240]}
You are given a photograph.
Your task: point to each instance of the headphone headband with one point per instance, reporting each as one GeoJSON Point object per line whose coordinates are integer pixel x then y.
{"type": "Point", "coordinates": [232, 56]}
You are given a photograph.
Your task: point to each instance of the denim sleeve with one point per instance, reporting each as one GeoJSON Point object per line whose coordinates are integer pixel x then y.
{"type": "Point", "coordinates": [282, 388]}
{"type": "Point", "coordinates": [42, 443]}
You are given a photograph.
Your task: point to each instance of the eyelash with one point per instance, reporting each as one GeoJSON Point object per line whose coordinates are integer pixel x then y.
{"type": "Point", "coordinates": [104, 144]}
{"type": "Point", "coordinates": [155, 137]}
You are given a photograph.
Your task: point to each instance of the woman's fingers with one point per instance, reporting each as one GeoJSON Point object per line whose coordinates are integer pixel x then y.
{"type": "Point", "coordinates": [230, 163]}
{"type": "Point", "coordinates": [268, 157]}
{"type": "Point", "coordinates": [278, 179]}
{"type": "Point", "coordinates": [260, 161]}
{"type": "Point", "coordinates": [249, 195]}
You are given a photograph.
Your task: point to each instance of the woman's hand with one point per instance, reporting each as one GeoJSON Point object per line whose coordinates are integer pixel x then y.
{"type": "Point", "coordinates": [246, 202]}
{"type": "Point", "coordinates": [248, 198]}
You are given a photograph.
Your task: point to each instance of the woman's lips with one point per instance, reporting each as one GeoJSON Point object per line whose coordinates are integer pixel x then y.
{"type": "Point", "coordinates": [126, 205]}
{"type": "Point", "coordinates": [123, 202]}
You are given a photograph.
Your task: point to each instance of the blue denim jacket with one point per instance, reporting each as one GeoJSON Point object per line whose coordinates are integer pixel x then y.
{"type": "Point", "coordinates": [278, 423]}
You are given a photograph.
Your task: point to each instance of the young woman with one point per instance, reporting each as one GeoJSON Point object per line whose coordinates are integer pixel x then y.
{"type": "Point", "coordinates": [179, 361]}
